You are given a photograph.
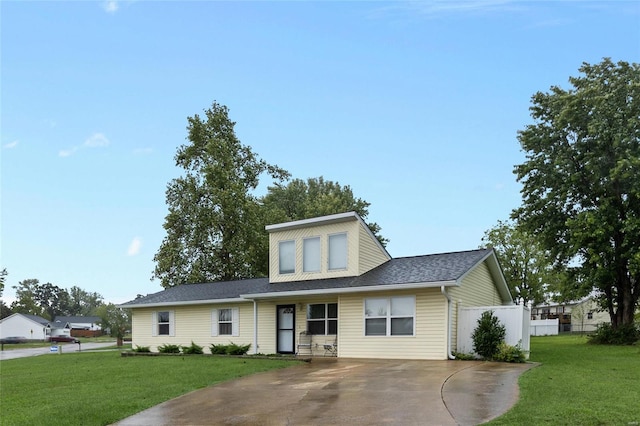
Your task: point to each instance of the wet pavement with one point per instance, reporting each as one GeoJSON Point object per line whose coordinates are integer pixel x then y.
{"type": "Point", "coordinates": [17, 352]}
{"type": "Point", "coordinates": [350, 391]}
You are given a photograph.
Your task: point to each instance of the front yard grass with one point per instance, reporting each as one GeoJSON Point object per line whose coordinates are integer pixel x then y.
{"type": "Point", "coordinates": [578, 384]}
{"type": "Point", "coordinates": [100, 388]}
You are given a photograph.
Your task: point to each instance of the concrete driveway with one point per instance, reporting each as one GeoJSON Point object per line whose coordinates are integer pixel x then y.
{"type": "Point", "coordinates": [350, 391]}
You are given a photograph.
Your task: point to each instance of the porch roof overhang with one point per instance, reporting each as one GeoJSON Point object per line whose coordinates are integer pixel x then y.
{"type": "Point", "coordinates": [345, 290]}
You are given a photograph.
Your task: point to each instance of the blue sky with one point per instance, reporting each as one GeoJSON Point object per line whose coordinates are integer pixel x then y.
{"type": "Point", "coordinates": [415, 105]}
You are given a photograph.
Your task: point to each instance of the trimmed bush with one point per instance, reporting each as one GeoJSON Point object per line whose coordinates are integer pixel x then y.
{"type": "Point", "coordinates": [169, 349]}
{"type": "Point", "coordinates": [192, 349]}
{"type": "Point", "coordinates": [488, 335]}
{"type": "Point", "coordinates": [623, 335]}
{"type": "Point", "coordinates": [141, 349]}
{"type": "Point", "coordinates": [464, 357]}
{"type": "Point", "coordinates": [230, 349]}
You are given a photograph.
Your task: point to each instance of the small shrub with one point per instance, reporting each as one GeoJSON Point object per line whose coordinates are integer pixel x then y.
{"type": "Point", "coordinates": [233, 349]}
{"type": "Point", "coordinates": [464, 357]}
{"type": "Point", "coordinates": [623, 335]}
{"type": "Point", "coordinates": [230, 349]}
{"type": "Point", "coordinates": [192, 349]}
{"type": "Point", "coordinates": [218, 349]}
{"type": "Point", "coordinates": [141, 349]}
{"type": "Point", "coordinates": [169, 349]}
{"type": "Point", "coordinates": [488, 335]}
{"type": "Point", "coordinates": [508, 353]}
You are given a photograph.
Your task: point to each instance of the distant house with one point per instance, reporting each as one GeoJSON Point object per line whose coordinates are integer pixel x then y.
{"type": "Point", "coordinates": [31, 327]}
{"type": "Point", "coordinates": [332, 289]}
{"type": "Point", "coordinates": [60, 328]}
{"type": "Point", "coordinates": [81, 326]}
{"type": "Point", "coordinates": [582, 316]}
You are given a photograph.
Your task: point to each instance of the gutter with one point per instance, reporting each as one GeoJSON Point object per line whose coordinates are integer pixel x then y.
{"type": "Point", "coordinates": [445, 294]}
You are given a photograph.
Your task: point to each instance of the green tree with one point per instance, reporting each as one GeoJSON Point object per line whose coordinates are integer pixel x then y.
{"type": "Point", "coordinates": [53, 300]}
{"type": "Point", "coordinates": [82, 302]}
{"type": "Point", "coordinates": [3, 277]}
{"type": "Point", "coordinates": [114, 320]}
{"type": "Point", "coordinates": [25, 302]}
{"type": "Point", "coordinates": [581, 180]}
{"type": "Point", "coordinates": [213, 224]}
{"type": "Point", "coordinates": [488, 335]}
{"type": "Point", "coordinates": [525, 264]}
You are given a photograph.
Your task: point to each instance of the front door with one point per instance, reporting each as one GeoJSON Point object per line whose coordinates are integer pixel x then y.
{"type": "Point", "coordinates": [286, 327]}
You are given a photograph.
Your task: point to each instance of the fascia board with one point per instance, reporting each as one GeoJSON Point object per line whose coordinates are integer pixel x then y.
{"type": "Point", "coordinates": [339, 217]}
{"type": "Point", "coordinates": [185, 303]}
{"type": "Point", "coordinates": [324, 291]}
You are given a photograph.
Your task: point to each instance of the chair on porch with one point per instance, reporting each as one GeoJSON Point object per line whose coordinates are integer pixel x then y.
{"type": "Point", "coordinates": [304, 343]}
{"type": "Point", "coordinates": [331, 348]}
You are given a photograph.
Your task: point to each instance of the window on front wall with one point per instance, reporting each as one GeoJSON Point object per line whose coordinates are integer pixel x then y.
{"type": "Point", "coordinates": [225, 322]}
{"type": "Point", "coordinates": [338, 251]}
{"type": "Point", "coordinates": [311, 254]}
{"type": "Point", "coordinates": [163, 323]}
{"type": "Point", "coordinates": [287, 257]}
{"type": "Point", "coordinates": [392, 316]}
{"type": "Point", "coordinates": [589, 315]}
{"type": "Point", "coordinates": [322, 318]}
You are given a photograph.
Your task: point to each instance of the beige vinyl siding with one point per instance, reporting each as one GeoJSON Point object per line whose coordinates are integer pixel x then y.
{"type": "Point", "coordinates": [267, 327]}
{"type": "Point", "coordinates": [477, 289]}
{"type": "Point", "coordinates": [371, 254]}
{"type": "Point", "coordinates": [429, 342]}
{"type": "Point", "coordinates": [323, 231]}
{"type": "Point", "coordinates": [191, 323]}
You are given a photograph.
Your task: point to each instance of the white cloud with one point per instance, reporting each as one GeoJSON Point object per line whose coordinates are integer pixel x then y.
{"type": "Point", "coordinates": [67, 152]}
{"type": "Point", "coordinates": [11, 145]}
{"type": "Point", "coordinates": [134, 246]}
{"type": "Point", "coordinates": [110, 6]}
{"type": "Point", "coordinates": [96, 140]}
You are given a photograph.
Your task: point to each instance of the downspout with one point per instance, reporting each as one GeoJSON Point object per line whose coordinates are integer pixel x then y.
{"type": "Point", "coordinates": [445, 294]}
{"type": "Point", "coordinates": [255, 327]}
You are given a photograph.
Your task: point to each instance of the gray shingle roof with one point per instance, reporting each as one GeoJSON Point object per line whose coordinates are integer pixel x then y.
{"type": "Point", "coordinates": [434, 268]}
{"type": "Point", "coordinates": [78, 319]}
{"type": "Point", "coordinates": [37, 319]}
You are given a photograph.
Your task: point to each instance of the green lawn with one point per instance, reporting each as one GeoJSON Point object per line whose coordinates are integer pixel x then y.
{"type": "Point", "coordinates": [578, 384]}
{"type": "Point", "coordinates": [99, 388]}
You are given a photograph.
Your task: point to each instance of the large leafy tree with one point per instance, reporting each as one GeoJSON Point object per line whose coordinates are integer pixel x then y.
{"type": "Point", "coordinates": [46, 300]}
{"type": "Point", "coordinates": [115, 320]}
{"type": "Point", "coordinates": [581, 180]}
{"type": "Point", "coordinates": [213, 224]}
{"type": "Point", "coordinates": [82, 302]}
{"type": "Point", "coordinates": [525, 264]}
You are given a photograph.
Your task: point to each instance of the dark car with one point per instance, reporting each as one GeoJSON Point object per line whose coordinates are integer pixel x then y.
{"type": "Point", "coordinates": [13, 339]}
{"type": "Point", "coordinates": [64, 339]}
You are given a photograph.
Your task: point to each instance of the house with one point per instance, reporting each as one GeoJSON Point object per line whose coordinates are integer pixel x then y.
{"type": "Point", "coordinates": [60, 328]}
{"type": "Point", "coordinates": [582, 316]}
{"type": "Point", "coordinates": [31, 327]}
{"type": "Point", "coordinates": [329, 277]}
{"type": "Point", "coordinates": [82, 326]}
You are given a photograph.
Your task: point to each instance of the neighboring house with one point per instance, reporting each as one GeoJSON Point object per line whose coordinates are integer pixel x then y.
{"type": "Point", "coordinates": [331, 277]}
{"type": "Point", "coordinates": [31, 327]}
{"type": "Point", "coordinates": [83, 326]}
{"type": "Point", "coordinates": [579, 316]}
{"type": "Point", "coordinates": [60, 328]}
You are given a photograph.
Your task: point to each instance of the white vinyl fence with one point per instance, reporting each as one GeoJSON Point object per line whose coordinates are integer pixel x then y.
{"type": "Point", "coordinates": [548, 327]}
{"type": "Point", "coordinates": [515, 318]}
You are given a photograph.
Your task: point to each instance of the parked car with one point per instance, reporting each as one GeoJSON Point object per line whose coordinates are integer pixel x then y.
{"type": "Point", "coordinates": [61, 339]}
{"type": "Point", "coordinates": [13, 339]}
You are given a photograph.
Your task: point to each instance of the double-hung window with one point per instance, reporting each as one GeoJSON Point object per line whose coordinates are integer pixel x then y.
{"type": "Point", "coordinates": [322, 318]}
{"type": "Point", "coordinates": [338, 251]}
{"type": "Point", "coordinates": [392, 316]}
{"type": "Point", "coordinates": [225, 322]}
{"type": "Point", "coordinates": [163, 323]}
{"type": "Point", "coordinates": [287, 257]}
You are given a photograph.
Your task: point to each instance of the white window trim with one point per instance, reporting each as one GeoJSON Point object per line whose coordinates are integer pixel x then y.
{"type": "Point", "coordinates": [304, 255]}
{"type": "Point", "coordinates": [235, 324]}
{"type": "Point", "coordinates": [280, 257]}
{"type": "Point", "coordinates": [326, 318]}
{"type": "Point", "coordinates": [346, 251]}
{"type": "Point", "coordinates": [155, 323]}
{"type": "Point", "coordinates": [387, 317]}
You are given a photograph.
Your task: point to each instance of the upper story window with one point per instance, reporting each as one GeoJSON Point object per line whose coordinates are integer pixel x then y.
{"type": "Point", "coordinates": [287, 257]}
{"type": "Point", "coordinates": [338, 251]}
{"type": "Point", "coordinates": [311, 254]}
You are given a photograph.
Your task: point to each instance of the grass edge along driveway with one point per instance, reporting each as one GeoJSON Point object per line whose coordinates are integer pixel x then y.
{"type": "Point", "coordinates": [578, 384]}
{"type": "Point", "coordinates": [100, 388]}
